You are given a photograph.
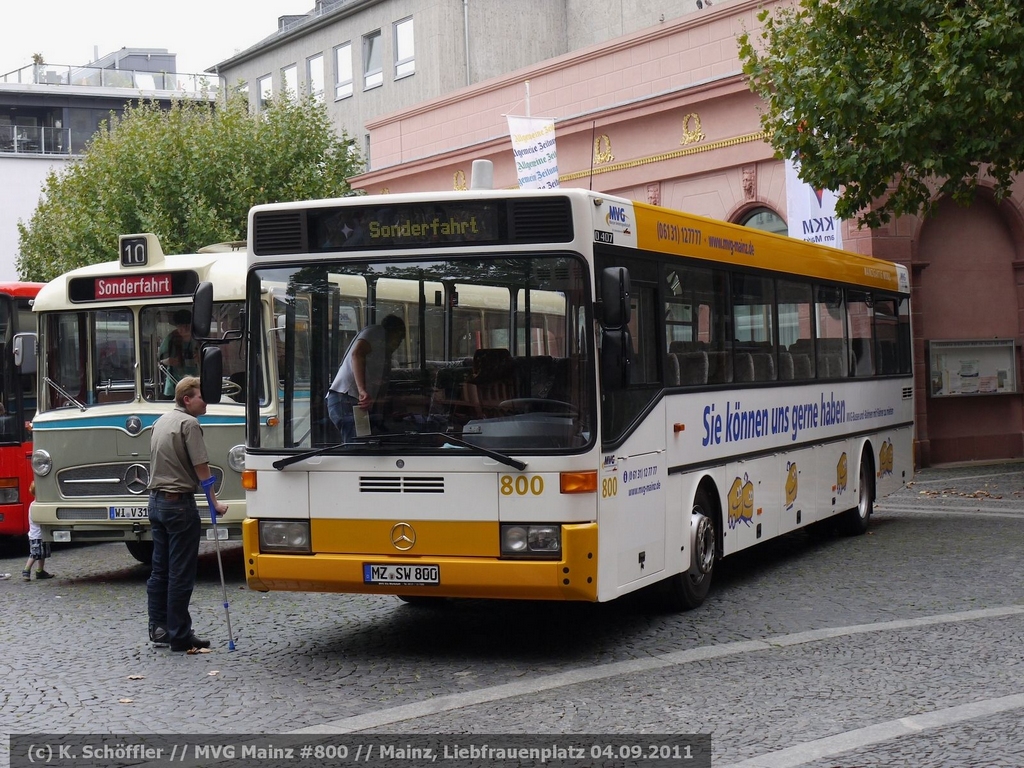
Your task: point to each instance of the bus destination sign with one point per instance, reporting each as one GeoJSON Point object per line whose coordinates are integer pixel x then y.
{"type": "Point", "coordinates": [156, 285]}
{"type": "Point", "coordinates": [446, 222]}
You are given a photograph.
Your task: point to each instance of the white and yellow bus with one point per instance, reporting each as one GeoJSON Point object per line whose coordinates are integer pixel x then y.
{"type": "Point", "coordinates": [593, 396]}
{"type": "Point", "coordinates": [104, 379]}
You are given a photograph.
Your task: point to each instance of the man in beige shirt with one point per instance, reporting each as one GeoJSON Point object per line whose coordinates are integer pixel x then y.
{"type": "Point", "coordinates": [179, 466]}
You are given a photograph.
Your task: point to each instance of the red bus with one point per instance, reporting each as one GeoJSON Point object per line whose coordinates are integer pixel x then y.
{"type": "Point", "coordinates": [17, 403]}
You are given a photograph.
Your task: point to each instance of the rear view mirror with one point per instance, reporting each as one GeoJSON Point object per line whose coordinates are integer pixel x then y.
{"type": "Point", "coordinates": [211, 375]}
{"type": "Point", "coordinates": [615, 296]}
{"type": "Point", "coordinates": [616, 358]}
{"type": "Point", "coordinates": [202, 311]}
{"type": "Point", "coordinates": [25, 352]}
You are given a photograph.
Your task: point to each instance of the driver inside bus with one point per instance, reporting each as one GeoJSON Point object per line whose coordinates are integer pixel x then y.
{"type": "Point", "coordinates": [179, 352]}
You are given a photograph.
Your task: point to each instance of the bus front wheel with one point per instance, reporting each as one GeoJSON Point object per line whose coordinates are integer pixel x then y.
{"type": "Point", "coordinates": [855, 521]}
{"type": "Point", "coordinates": [687, 590]}
{"type": "Point", "coordinates": [141, 551]}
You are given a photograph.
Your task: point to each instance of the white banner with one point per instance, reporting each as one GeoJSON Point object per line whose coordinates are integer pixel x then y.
{"type": "Point", "coordinates": [533, 144]}
{"type": "Point", "coordinates": [811, 212]}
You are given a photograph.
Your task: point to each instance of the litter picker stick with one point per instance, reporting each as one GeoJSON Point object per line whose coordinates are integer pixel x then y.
{"type": "Point", "coordinates": [208, 484]}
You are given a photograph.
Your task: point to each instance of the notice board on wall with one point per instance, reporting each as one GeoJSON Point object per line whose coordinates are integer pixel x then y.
{"type": "Point", "coordinates": [963, 367]}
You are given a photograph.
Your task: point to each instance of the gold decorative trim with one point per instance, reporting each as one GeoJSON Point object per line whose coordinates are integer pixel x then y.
{"type": "Point", "coordinates": [603, 149]}
{"type": "Point", "coordinates": [694, 135]}
{"type": "Point", "coordinates": [459, 181]}
{"type": "Point", "coordinates": [384, 191]}
{"type": "Point", "coordinates": [673, 155]}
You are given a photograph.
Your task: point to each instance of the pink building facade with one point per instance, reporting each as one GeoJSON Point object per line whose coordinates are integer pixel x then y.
{"type": "Point", "coordinates": [665, 116]}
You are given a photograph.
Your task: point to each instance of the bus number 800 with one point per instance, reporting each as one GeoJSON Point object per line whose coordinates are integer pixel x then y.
{"type": "Point", "coordinates": [521, 485]}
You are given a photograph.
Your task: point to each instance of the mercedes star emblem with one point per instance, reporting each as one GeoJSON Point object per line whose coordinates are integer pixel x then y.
{"type": "Point", "coordinates": [403, 536]}
{"type": "Point", "coordinates": [136, 479]}
{"type": "Point", "coordinates": [133, 425]}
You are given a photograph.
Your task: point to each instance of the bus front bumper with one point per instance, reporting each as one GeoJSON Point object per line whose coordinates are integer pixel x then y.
{"type": "Point", "coordinates": [573, 577]}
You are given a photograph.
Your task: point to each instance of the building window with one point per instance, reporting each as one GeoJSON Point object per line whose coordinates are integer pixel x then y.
{"type": "Point", "coordinates": [366, 151]}
{"type": "Point", "coordinates": [266, 90]}
{"type": "Point", "coordinates": [405, 50]}
{"type": "Point", "coordinates": [765, 219]}
{"type": "Point", "coordinates": [373, 69]}
{"type": "Point", "coordinates": [290, 81]}
{"type": "Point", "coordinates": [315, 76]}
{"type": "Point", "coordinates": [343, 71]}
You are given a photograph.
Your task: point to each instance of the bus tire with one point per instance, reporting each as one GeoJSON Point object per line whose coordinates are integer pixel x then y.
{"type": "Point", "coordinates": [141, 551]}
{"type": "Point", "coordinates": [686, 591]}
{"type": "Point", "coordinates": [855, 521]}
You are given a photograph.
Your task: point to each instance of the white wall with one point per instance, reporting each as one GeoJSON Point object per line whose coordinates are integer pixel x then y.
{"type": "Point", "coordinates": [21, 181]}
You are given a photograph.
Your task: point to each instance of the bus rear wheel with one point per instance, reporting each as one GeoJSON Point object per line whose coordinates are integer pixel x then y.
{"type": "Point", "coordinates": [686, 591]}
{"type": "Point", "coordinates": [855, 521]}
{"type": "Point", "coordinates": [141, 551]}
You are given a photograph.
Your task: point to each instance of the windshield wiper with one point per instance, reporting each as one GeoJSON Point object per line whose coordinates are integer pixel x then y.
{"type": "Point", "coordinates": [288, 460]}
{"type": "Point", "coordinates": [64, 393]}
{"type": "Point", "coordinates": [499, 457]}
{"type": "Point", "coordinates": [371, 439]}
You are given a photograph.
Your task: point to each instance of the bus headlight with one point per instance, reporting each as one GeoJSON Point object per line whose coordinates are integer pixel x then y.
{"type": "Point", "coordinates": [285, 536]}
{"type": "Point", "coordinates": [41, 462]}
{"type": "Point", "coordinates": [236, 458]}
{"type": "Point", "coordinates": [524, 540]}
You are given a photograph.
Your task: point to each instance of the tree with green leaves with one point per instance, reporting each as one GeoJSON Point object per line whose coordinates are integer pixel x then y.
{"type": "Point", "coordinates": [898, 101]}
{"type": "Point", "coordinates": [189, 174]}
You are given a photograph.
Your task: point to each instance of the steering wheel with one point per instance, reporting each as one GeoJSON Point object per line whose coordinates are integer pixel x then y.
{"type": "Point", "coordinates": [539, 405]}
{"type": "Point", "coordinates": [229, 387]}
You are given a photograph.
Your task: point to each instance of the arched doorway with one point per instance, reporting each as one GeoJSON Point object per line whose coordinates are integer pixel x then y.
{"type": "Point", "coordinates": [764, 219]}
{"type": "Point", "coordinates": [967, 290]}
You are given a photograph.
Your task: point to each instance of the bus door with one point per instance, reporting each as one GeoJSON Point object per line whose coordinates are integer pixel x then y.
{"type": "Point", "coordinates": [632, 519]}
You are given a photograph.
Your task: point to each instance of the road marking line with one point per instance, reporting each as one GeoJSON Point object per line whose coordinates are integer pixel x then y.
{"type": "Point", "coordinates": [953, 510]}
{"type": "Point", "coordinates": [438, 704]}
{"type": "Point", "coordinates": [952, 480]}
{"type": "Point", "coordinates": [819, 749]}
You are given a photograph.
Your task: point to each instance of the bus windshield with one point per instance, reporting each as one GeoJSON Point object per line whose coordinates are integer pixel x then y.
{"type": "Point", "coordinates": [92, 358]}
{"type": "Point", "coordinates": [494, 353]}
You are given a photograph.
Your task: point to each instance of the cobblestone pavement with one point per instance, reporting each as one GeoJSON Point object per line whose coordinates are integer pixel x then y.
{"type": "Point", "coordinates": [901, 647]}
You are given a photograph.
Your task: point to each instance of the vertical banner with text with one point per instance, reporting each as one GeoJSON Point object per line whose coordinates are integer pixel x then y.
{"type": "Point", "coordinates": [533, 144]}
{"type": "Point", "coordinates": [811, 212]}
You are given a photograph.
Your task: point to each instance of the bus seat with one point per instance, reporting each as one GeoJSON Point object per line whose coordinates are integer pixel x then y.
{"type": "Point", "coordinates": [831, 367]}
{"type": "Point", "coordinates": [743, 370]}
{"type": "Point", "coordinates": [693, 368]}
{"type": "Point", "coordinates": [802, 366]}
{"type": "Point", "coordinates": [534, 375]}
{"type": "Point", "coordinates": [719, 367]}
{"type": "Point", "coordinates": [491, 383]}
{"type": "Point", "coordinates": [561, 388]}
{"type": "Point", "coordinates": [764, 366]}
{"type": "Point", "coordinates": [786, 372]}
{"type": "Point", "coordinates": [683, 346]}
{"type": "Point", "coordinates": [672, 375]}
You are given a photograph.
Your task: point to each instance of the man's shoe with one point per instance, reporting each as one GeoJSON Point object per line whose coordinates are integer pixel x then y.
{"type": "Point", "coordinates": [26, 575]}
{"type": "Point", "coordinates": [158, 636]}
{"type": "Point", "coordinates": [43, 575]}
{"type": "Point", "coordinates": [193, 643]}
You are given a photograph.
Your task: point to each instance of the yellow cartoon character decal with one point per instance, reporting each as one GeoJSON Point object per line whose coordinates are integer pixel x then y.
{"type": "Point", "coordinates": [885, 459]}
{"type": "Point", "coordinates": [841, 474]}
{"type": "Point", "coordinates": [791, 484]}
{"type": "Point", "coordinates": [741, 501]}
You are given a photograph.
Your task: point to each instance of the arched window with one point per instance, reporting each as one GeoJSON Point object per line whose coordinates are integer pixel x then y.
{"type": "Point", "coordinates": [766, 219]}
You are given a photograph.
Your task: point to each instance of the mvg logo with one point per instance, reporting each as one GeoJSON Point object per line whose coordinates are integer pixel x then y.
{"type": "Point", "coordinates": [617, 214]}
{"type": "Point", "coordinates": [617, 219]}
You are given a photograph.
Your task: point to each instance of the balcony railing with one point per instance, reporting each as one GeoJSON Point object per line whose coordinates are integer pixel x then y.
{"type": "Point", "coordinates": [22, 139]}
{"type": "Point", "coordinates": [97, 77]}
